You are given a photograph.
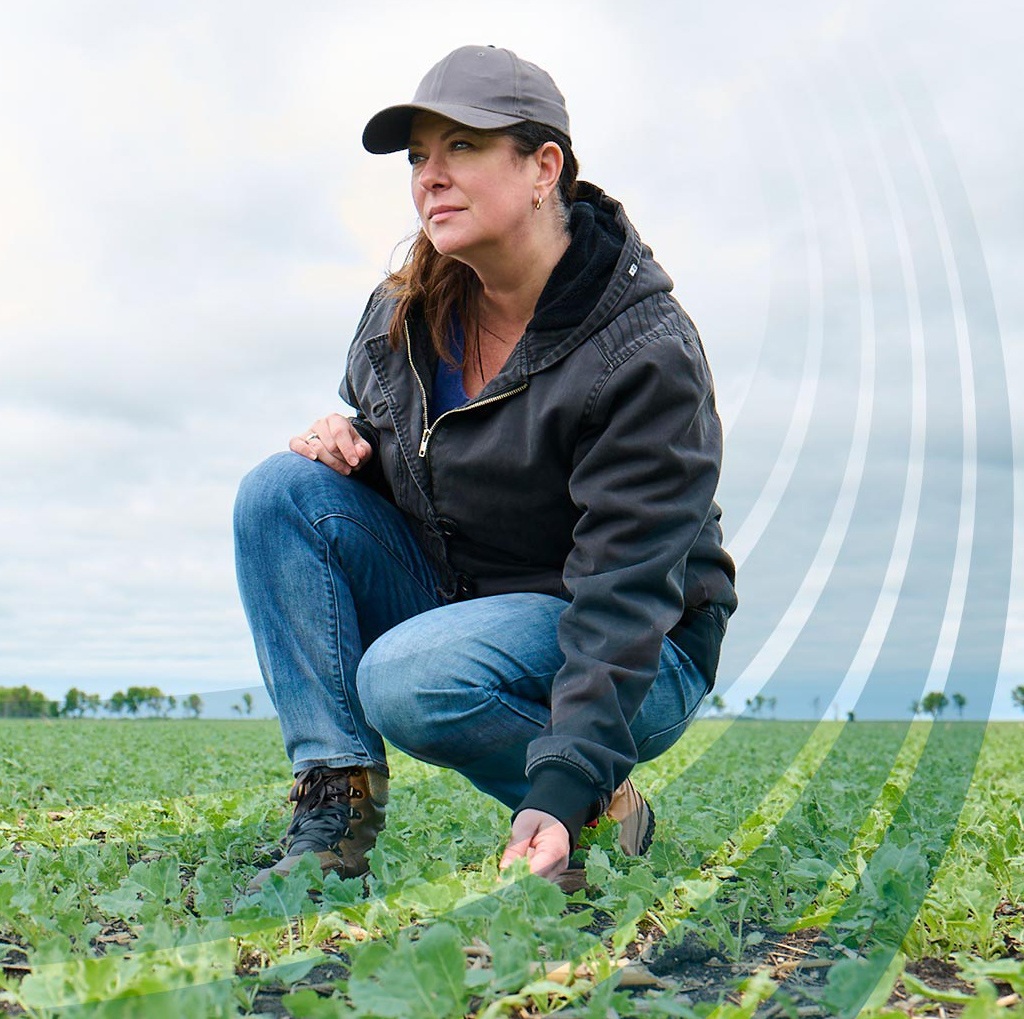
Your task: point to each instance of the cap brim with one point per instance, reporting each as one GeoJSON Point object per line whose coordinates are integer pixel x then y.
{"type": "Point", "coordinates": [388, 131]}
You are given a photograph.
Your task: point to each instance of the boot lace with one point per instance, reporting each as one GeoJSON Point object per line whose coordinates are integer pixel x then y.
{"type": "Point", "coordinates": [323, 811]}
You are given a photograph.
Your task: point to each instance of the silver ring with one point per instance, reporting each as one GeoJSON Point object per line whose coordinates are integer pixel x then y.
{"type": "Point", "coordinates": [312, 435]}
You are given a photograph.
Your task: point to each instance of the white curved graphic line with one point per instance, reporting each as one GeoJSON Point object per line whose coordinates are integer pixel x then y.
{"type": "Point", "coordinates": [938, 673]}
{"type": "Point", "coordinates": [870, 646]}
{"type": "Point", "coordinates": [778, 644]}
{"type": "Point", "coordinates": [767, 502]}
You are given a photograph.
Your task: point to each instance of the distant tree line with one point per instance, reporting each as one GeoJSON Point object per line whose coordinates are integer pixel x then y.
{"type": "Point", "coordinates": [21, 702]}
{"type": "Point", "coordinates": [150, 699]}
{"type": "Point", "coordinates": [933, 703]}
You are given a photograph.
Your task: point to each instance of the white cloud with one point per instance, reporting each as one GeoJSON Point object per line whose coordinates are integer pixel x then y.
{"type": "Point", "coordinates": [191, 228]}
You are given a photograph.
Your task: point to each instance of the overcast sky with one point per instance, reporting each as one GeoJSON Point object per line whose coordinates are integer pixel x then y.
{"type": "Point", "coordinates": [189, 228]}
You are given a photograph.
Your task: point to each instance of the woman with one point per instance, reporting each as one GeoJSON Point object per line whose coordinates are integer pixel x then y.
{"type": "Point", "coordinates": [509, 561]}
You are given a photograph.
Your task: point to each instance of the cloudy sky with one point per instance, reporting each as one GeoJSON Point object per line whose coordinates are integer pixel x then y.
{"type": "Point", "coordinates": [190, 228]}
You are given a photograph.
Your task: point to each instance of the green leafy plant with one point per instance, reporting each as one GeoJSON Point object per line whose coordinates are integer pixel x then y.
{"type": "Point", "coordinates": [122, 877]}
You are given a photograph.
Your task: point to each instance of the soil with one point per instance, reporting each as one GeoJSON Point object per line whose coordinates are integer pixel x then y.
{"type": "Point", "coordinates": [267, 1003]}
{"type": "Point", "coordinates": [798, 962]}
{"type": "Point", "coordinates": [14, 965]}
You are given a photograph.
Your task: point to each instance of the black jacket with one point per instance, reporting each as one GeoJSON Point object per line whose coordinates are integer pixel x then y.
{"type": "Point", "coordinates": [585, 469]}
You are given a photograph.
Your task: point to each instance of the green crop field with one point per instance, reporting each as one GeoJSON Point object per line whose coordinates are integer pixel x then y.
{"type": "Point", "coordinates": [799, 869]}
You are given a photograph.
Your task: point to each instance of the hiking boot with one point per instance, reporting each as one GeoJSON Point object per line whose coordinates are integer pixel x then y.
{"type": "Point", "coordinates": [339, 812]}
{"type": "Point", "coordinates": [636, 819]}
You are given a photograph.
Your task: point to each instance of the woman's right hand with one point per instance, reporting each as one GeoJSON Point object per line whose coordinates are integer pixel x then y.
{"type": "Point", "coordinates": [333, 441]}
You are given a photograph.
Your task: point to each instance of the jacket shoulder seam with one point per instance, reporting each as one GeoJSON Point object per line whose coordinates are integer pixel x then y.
{"type": "Point", "coordinates": [612, 365]}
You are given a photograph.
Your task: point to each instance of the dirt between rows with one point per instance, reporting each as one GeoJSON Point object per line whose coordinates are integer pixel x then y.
{"type": "Point", "coordinates": [690, 970]}
{"type": "Point", "coordinates": [694, 974]}
{"type": "Point", "coordinates": [799, 963]}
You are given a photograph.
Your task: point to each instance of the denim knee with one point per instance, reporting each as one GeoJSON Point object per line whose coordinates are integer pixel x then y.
{"type": "Point", "coordinates": [287, 485]}
{"type": "Point", "coordinates": [386, 694]}
{"type": "Point", "coordinates": [268, 486]}
{"type": "Point", "coordinates": [400, 688]}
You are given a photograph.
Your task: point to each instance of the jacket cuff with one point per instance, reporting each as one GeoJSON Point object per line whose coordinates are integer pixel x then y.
{"type": "Point", "coordinates": [372, 473]}
{"type": "Point", "coordinates": [366, 432]}
{"type": "Point", "coordinates": [564, 793]}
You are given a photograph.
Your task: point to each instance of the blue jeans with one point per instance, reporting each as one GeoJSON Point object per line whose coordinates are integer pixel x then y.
{"type": "Point", "coordinates": [355, 643]}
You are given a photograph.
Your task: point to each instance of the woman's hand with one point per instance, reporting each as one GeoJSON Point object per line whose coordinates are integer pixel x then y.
{"type": "Point", "coordinates": [333, 441]}
{"type": "Point", "coordinates": [542, 839]}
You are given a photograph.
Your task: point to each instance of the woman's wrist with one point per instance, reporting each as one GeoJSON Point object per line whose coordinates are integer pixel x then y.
{"type": "Point", "coordinates": [564, 793]}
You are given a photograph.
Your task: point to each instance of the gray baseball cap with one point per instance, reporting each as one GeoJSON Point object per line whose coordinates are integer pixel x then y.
{"type": "Point", "coordinates": [479, 86]}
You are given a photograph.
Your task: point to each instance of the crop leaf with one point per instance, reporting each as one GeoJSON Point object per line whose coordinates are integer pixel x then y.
{"type": "Point", "coordinates": [915, 986]}
{"type": "Point", "coordinates": [1009, 971]}
{"type": "Point", "coordinates": [424, 979]}
{"type": "Point", "coordinates": [864, 982]}
{"type": "Point", "coordinates": [307, 1004]}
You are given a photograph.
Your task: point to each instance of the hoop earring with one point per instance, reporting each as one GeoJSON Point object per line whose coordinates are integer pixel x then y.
{"type": "Point", "coordinates": [539, 203]}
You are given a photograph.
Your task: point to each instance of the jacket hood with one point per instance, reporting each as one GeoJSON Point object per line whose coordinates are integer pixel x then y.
{"type": "Point", "coordinates": [582, 274]}
{"type": "Point", "coordinates": [606, 269]}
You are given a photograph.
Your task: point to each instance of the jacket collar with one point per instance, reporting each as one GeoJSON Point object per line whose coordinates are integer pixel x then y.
{"type": "Point", "coordinates": [635, 275]}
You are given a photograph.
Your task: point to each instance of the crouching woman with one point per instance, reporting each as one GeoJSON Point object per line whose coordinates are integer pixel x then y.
{"type": "Point", "coordinates": [509, 560]}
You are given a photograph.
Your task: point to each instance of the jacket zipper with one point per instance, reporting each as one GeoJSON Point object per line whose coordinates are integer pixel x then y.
{"type": "Point", "coordinates": [428, 429]}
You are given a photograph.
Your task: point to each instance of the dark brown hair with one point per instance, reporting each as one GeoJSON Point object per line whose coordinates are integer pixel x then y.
{"type": "Point", "coordinates": [438, 285]}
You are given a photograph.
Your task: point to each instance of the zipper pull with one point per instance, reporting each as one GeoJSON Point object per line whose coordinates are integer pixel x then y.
{"type": "Point", "coordinates": [423, 442]}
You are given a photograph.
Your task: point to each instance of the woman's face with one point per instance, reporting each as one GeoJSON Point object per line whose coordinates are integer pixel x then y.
{"type": "Point", "coordinates": [473, 192]}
